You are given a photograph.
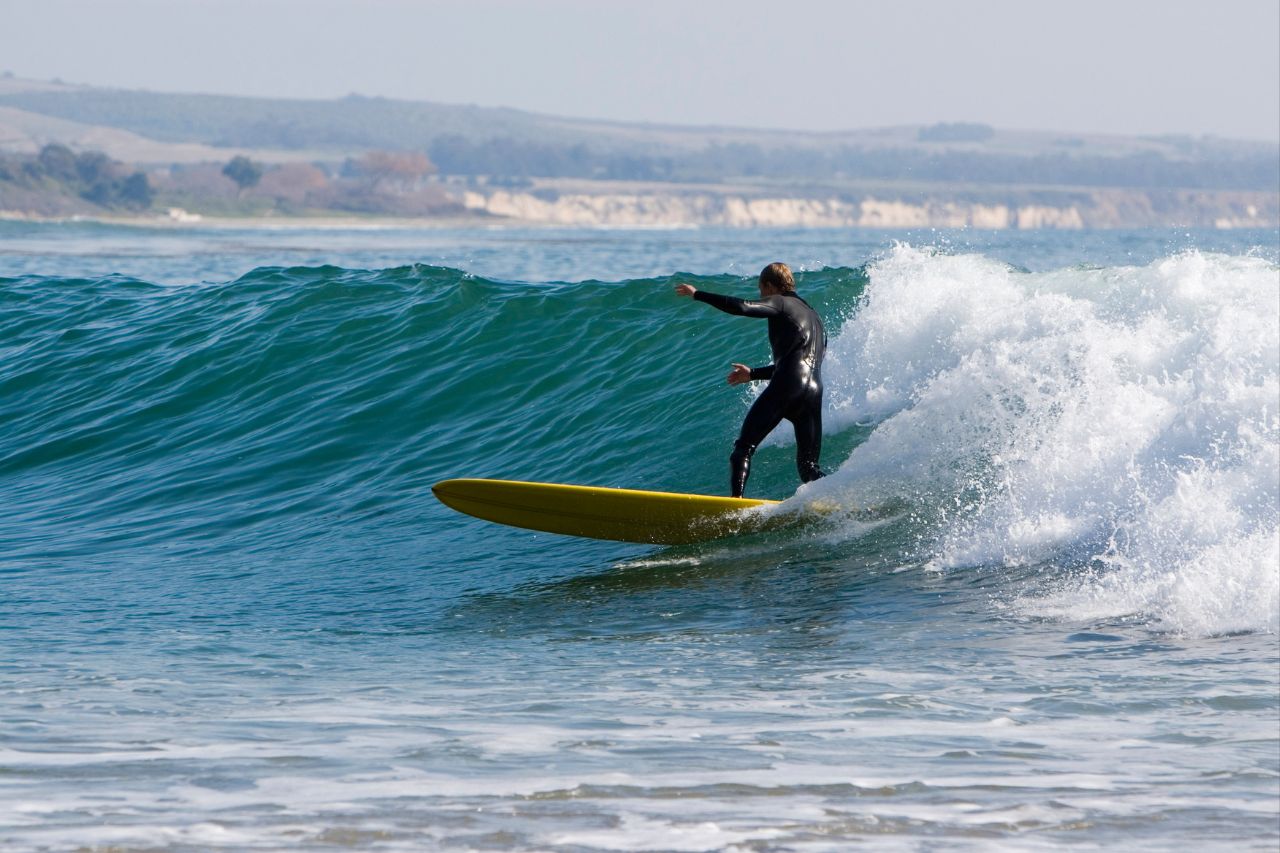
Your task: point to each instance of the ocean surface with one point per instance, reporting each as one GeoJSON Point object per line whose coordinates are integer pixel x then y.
{"type": "Point", "coordinates": [1046, 611]}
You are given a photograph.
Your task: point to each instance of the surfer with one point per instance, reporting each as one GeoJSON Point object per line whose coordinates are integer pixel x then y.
{"type": "Point", "coordinates": [798, 341]}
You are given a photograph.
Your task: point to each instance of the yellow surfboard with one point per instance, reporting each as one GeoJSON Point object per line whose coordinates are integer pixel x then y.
{"type": "Point", "coordinates": [627, 515]}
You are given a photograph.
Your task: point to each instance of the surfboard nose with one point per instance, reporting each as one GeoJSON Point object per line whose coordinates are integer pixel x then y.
{"type": "Point", "coordinates": [448, 492]}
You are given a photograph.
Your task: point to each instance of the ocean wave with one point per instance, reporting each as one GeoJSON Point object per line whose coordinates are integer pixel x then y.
{"type": "Point", "coordinates": [1118, 424]}
{"type": "Point", "coordinates": [1124, 420]}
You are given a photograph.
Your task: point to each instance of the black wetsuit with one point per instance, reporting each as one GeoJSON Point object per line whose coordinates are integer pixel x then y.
{"type": "Point", "coordinates": [794, 392]}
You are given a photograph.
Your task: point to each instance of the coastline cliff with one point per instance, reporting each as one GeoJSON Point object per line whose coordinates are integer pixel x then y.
{"type": "Point", "coordinates": [1067, 210]}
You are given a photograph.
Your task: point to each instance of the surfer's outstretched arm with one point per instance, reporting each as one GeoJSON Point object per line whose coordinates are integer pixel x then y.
{"type": "Point", "coordinates": [732, 304]}
{"type": "Point", "coordinates": [740, 307]}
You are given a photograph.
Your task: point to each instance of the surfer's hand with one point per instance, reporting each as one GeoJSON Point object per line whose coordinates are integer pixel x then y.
{"type": "Point", "coordinates": [740, 374]}
{"type": "Point", "coordinates": [683, 289]}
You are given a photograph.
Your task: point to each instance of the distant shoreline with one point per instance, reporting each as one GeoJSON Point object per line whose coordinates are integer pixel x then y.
{"type": "Point", "coordinates": [283, 223]}
{"type": "Point", "coordinates": [81, 153]}
{"type": "Point", "coordinates": [480, 221]}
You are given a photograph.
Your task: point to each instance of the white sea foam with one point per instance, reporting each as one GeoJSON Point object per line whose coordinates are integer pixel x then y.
{"type": "Point", "coordinates": [636, 832]}
{"type": "Point", "coordinates": [1126, 419]}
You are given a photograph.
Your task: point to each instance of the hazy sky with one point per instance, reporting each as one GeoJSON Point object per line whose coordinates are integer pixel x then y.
{"type": "Point", "coordinates": [1123, 66]}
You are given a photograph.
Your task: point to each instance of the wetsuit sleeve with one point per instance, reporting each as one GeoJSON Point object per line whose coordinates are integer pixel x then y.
{"type": "Point", "coordinates": [739, 307]}
{"type": "Point", "coordinates": [765, 372]}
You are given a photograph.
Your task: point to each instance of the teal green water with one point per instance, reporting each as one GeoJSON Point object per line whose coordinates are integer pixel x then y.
{"type": "Point", "coordinates": [260, 411]}
{"type": "Point", "coordinates": [235, 618]}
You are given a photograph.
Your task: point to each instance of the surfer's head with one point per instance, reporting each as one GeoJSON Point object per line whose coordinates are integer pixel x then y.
{"type": "Point", "coordinates": [776, 278]}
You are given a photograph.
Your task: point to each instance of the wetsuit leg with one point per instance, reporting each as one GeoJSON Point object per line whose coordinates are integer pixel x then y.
{"type": "Point", "coordinates": [765, 414]}
{"type": "Point", "coordinates": [807, 420]}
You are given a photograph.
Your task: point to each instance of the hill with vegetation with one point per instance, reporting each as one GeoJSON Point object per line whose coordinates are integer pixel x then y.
{"type": "Point", "coordinates": [319, 144]}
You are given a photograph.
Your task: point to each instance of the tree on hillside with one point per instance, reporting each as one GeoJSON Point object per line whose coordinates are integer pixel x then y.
{"type": "Point", "coordinates": [58, 162]}
{"type": "Point", "coordinates": [292, 183]}
{"type": "Point", "coordinates": [116, 189]}
{"type": "Point", "coordinates": [243, 171]}
{"type": "Point", "coordinates": [135, 191]}
{"type": "Point", "coordinates": [94, 167]}
{"type": "Point", "coordinates": [396, 170]}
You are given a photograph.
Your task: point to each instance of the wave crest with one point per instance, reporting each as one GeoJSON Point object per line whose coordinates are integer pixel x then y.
{"type": "Point", "coordinates": [1121, 419]}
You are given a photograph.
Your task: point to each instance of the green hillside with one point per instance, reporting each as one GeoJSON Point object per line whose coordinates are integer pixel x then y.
{"type": "Point", "coordinates": [507, 143]}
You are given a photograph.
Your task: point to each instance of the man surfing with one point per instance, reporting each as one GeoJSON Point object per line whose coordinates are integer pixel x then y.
{"type": "Point", "coordinates": [798, 342]}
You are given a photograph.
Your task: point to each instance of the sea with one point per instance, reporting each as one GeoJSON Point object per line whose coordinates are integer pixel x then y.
{"type": "Point", "coordinates": [1041, 607]}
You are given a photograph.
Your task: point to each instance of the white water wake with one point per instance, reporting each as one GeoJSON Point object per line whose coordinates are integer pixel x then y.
{"type": "Point", "coordinates": [1126, 419]}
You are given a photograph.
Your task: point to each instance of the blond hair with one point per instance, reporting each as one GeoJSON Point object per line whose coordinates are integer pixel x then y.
{"type": "Point", "coordinates": [778, 276]}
